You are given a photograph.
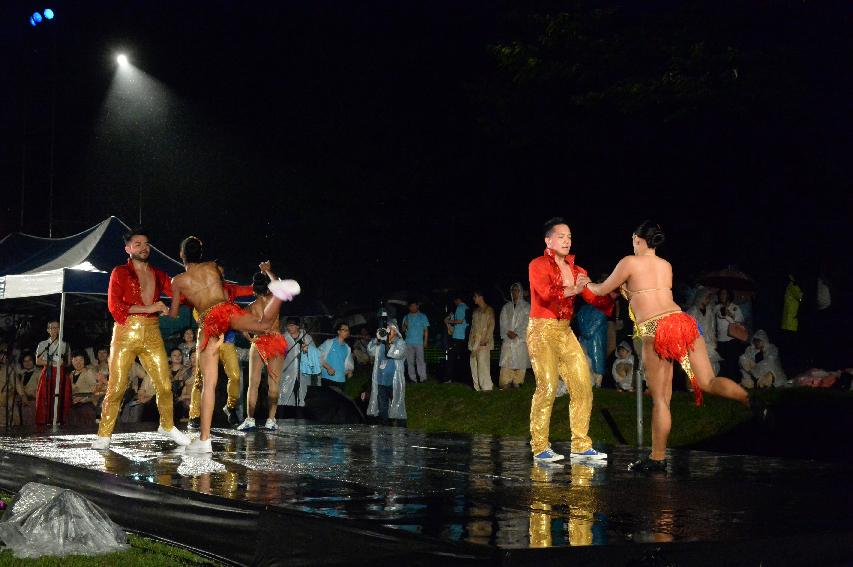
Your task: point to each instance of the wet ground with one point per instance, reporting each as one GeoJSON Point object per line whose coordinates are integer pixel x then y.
{"type": "Point", "coordinates": [480, 489]}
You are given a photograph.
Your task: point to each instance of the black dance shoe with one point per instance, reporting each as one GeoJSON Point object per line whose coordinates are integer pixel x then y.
{"type": "Point", "coordinates": [648, 465]}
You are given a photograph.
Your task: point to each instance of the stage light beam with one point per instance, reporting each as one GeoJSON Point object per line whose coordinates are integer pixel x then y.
{"type": "Point", "coordinates": [48, 13]}
{"type": "Point", "coordinates": [122, 61]}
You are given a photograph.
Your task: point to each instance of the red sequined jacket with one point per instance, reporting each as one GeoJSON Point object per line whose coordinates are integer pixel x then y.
{"type": "Point", "coordinates": [546, 289]}
{"type": "Point", "coordinates": [124, 291]}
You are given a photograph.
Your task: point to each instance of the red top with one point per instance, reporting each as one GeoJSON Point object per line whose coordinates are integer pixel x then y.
{"type": "Point", "coordinates": [546, 289]}
{"type": "Point", "coordinates": [124, 291]}
{"type": "Point", "coordinates": [234, 291]}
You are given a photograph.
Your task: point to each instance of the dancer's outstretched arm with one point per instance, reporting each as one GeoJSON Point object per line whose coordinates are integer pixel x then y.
{"type": "Point", "coordinates": [615, 279]}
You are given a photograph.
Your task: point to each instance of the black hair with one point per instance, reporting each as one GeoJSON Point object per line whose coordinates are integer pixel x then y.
{"type": "Point", "coordinates": [260, 284]}
{"type": "Point", "coordinates": [292, 321]}
{"type": "Point", "coordinates": [730, 296]}
{"type": "Point", "coordinates": [184, 331]}
{"type": "Point", "coordinates": [548, 227]}
{"type": "Point", "coordinates": [102, 347]}
{"type": "Point", "coordinates": [173, 349]}
{"type": "Point", "coordinates": [80, 353]}
{"type": "Point", "coordinates": [339, 325]}
{"type": "Point", "coordinates": [136, 231]}
{"type": "Point", "coordinates": [191, 249]}
{"type": "Point", "coordinates": [24, 355]}
{"type": "Point", "coordinates": [651, 232]}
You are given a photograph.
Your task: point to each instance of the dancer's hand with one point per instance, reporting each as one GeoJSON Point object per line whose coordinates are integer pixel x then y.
{"type": "Point", "coordinates": [265, 266]}
{"type": "Point", "coordinates": [581, 281]}
{"type": "Point", "coordinates": [159, 307]}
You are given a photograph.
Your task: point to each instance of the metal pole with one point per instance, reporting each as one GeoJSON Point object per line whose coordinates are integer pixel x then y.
{"type": "Point", "coordinates": [639, 373]}
{"type": "Point", "coordinates": [59, 362]}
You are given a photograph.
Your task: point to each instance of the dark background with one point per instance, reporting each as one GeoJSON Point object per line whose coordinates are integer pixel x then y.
{"type": "Point", "coordinates": [366, 147]}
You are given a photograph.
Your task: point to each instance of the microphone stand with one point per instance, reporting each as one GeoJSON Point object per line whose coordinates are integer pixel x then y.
{"type": "Point", "coordinates": [298, 382]}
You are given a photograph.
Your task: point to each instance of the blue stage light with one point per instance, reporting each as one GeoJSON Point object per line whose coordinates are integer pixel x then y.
{"type": "Point", "coordinates": [48, 13]}
{"type": "Point", "coordinates": [32, 22]}
{"type": "Point", "coordinates": [36, 18]}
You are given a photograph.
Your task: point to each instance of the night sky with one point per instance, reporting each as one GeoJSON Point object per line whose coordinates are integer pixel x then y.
{"type": "Point", "coordinates": [367, 147]}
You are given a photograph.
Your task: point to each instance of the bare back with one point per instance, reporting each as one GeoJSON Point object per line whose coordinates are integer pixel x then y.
{"type": "Point", "coordinates": [257, 308]}
{"type": "Point", "coordinates": [201, 284]}
{"type": "Point", "coordinates": [649, 286]}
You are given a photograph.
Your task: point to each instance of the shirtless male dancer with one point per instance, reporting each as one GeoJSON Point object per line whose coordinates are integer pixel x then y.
{"type": "Point", "coordinates": [202, 286]}
{"type": "Point", "coordinates": [269, 349]}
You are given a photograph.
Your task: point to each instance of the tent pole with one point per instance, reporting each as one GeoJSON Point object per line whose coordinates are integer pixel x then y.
{"type": "Point", "coordinates": [59, 361]}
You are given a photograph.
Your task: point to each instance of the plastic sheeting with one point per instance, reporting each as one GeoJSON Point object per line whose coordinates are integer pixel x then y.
{"type": "Point", "coordinates": [46, 520]}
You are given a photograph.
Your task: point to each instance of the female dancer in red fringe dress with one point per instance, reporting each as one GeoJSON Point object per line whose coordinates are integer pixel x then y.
{"type": "Point", "coordinates": [667, 335]}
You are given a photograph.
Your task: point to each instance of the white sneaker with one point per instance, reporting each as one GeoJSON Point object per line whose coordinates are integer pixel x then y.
{"type": "Point", "coordinates": [101, 443]}
{"type": "Point", "coordinates": [247, 425]}
{"type": "Point", "coordinates": [175, 435]}
{"type": "Point", "coordinates": [200, 447]}
{"type": "Point", "coordinates": [271, 424]}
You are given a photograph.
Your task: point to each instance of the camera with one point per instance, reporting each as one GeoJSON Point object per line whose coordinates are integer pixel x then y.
{"type": "Point", "coordinates": [382, 333]}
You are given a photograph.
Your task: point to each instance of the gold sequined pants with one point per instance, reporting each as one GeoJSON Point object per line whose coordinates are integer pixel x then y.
{"type": "Point", "coordinates": [555, 353]}
{"type": "Point", "coordinates": [139, 337]}
{"type": "Point", "coordinates": [228, 357]}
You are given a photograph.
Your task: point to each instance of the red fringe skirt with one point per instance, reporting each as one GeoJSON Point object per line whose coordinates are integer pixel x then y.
{"type": "Point", "coordinates": [270, 345]}
{"type": "Point", "coordinates": [674, 334]}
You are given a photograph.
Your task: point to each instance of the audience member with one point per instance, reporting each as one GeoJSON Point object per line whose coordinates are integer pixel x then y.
{"type": "Point", "coordinates": [481, 342]}
{"type": "Point", "coordinates": [49, 354]}
{"type": "Point", "coordinates": [84, 379]}
{"type": "Point", "coordinates": [592, 336]}
{"type": "Point", "coordinates": [187, 345]}
{"type": "Point", "coordinates": [28, 375]}
{"type": "Point", "coordinates": [458, 331]}
{"type": "Point", "coordinates": [12, 394]}
{"type": "Point", "coordinates": [760, 365]}
{"type": "Point", "coordinates": [336, 358]}
{"type": "Point", "coordinates": [299, 344]}
{"type": "Point", "coordinates": [388, 382]}
{"type": "Point", "coordinates": [727, 312]}
{"type": "Point", "coordinates": [623, 367]}
{"type": "Point", "coordinates": [703, 310]}
{"type": "Point", "coordinates": [416, 330]}
{"type": "Point", "coordinates": [514, 360]}
{"type": "Point", "coordinates": [359, 348]}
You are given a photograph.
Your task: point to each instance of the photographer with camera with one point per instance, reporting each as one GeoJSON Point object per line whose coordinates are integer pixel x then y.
{"type": "Point", "coordinates": [388, 387]}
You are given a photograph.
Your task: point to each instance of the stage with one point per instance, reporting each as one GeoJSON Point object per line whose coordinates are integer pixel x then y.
{"type": "Point", "coordinates": [322, 494]}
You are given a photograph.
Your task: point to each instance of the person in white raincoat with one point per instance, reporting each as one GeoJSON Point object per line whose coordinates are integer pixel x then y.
{"type": "Point", "coordinates": [760, 365]}
{"type": "Point", "coordinates": [388, 383]}
{"type": "Point", "coordinates": [703, 310]}
{"type": "Point", "coordinates": [514, 360]}
{"type": "Point", "coordinates": [298, 340]}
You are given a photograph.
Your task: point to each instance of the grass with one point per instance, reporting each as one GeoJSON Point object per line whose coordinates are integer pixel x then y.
{"type": "Point", "coordinates": [144, 552]}
{"type": "Point", "coordinates": [806, 423]}
{"type": "Point", "coordinates": [434, 407]}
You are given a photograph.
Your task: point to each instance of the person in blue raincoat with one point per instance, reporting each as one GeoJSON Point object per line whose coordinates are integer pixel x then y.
{"type": "Point", "coordinates": [388, 386]}
{"type": "Point", "coordinates": [592, 325]}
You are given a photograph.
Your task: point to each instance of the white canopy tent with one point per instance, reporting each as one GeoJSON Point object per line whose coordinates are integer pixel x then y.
{"type": "Point", "coordinates": [32, 266]}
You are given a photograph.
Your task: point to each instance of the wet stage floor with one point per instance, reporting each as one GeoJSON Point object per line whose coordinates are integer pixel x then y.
{"type": "Point", "coordinates": [480, 489]}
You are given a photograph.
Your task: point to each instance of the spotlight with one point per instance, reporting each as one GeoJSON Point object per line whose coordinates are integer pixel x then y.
{"type": "Point", "coordinates": [36, 18]}
{"type": "Point", "coordinates": [122, 60]}
{"type": "Point", "coordinates": [32, 22]}
{"type": "Point", "coordinates": [48, 14]}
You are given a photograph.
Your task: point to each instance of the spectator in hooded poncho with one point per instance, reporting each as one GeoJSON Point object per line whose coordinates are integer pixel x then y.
{"type": "Point", "coordinates": [388, 382]}
{"type": "Point", "coordinates": [703, 310]}
{"type": "Point", "coordinates": [623, 367]}
{"type": "Point", "coordinates": [760, 365]}
{"type": "Point", "coordinates": [514, 359]}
